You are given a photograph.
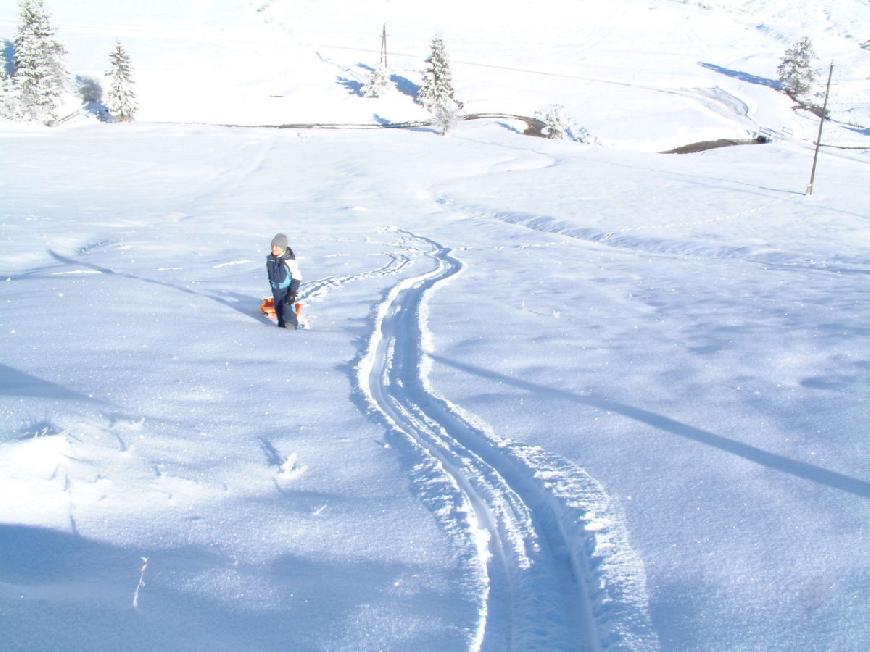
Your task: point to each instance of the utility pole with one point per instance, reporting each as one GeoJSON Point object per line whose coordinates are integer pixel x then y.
{"type": "Point", "coordinates": [819, 138]}
{"type": "Point", "coordinates": [384, 47]}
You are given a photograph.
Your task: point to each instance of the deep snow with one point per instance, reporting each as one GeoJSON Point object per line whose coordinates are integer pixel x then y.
{"type": "Point", "coordinates": [552, 397]}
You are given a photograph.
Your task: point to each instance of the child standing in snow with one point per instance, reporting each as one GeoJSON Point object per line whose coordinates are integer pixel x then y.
{"type": "Point", "coordinates": [284, 278]}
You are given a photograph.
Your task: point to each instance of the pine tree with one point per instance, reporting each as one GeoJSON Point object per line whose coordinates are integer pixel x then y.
{"type": "Point", "coordinates": [122, 103]}
{"type": "Point", "coordinates": [796, 68]}
{"type": "Point", "coordinates": [437, 82]}
{"type": "Point", "coordinates": [39, 70]}
{"type": "Point", "coordinates": [436, 94]}
{"type": "Point", "coordinates": [378, 82]}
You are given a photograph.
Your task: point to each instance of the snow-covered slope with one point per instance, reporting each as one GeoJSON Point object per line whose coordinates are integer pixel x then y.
{"type": "Point", "coordinates": [636, 74]}
{"type": "Point", "coordinates": [552, 396]}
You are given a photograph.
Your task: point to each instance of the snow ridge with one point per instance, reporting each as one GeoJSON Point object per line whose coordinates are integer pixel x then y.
{"type": "Point", "coordinates": [544, 545]}
{"type": "Point", "coordinates": [623, 239]}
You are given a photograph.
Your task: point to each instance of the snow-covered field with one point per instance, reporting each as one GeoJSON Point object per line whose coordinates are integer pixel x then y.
{"type": "Point", "coordinates": [552, 396]}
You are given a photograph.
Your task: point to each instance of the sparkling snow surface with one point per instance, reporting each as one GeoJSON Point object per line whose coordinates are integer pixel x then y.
{"type": "Point", "coordinates": [550, 396]}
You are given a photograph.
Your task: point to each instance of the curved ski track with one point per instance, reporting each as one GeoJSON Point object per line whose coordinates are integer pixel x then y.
{"type": "Point", "coordinates": [544, 552]}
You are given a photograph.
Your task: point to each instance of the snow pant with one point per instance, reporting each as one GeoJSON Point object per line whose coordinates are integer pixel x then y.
{"type": "Point", "coordinates": [285, 312]}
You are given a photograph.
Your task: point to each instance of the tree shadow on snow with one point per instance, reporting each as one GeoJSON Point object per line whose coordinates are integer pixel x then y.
{"type": "Point", "coordinates": [18, 383]}
{"type": "Point", "coordinates": [353, 86]}
{"type": "Point", "coordinates": [405, 86]}
{"type": "Point", "coordinates": [510, 127]}
{"type": "Point", "coordinates": [660, 422]}
{"type": "Point", "coordinates": [245, 304]}
{"type": "Point", "coordinates": [743, 76]}
{"type": "Point", "coordinates": [91, 92]}
{"type": "Point", "coordinates": [863, 131]}
{"type": "Point", "coordinates": [34, 556]}
{"type": "Point", "coordinates": [64, 591]}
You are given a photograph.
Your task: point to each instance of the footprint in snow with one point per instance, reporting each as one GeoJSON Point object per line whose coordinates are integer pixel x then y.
{"type": "Point", "coordinates": [231, 263]}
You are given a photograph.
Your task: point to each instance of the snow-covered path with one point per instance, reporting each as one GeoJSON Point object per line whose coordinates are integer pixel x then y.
{"type": "Point", "coordinates": [537, 586]}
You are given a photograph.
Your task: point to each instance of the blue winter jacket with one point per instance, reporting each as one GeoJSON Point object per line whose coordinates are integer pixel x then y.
{"type": "Point", "coordinates": [284, 272]}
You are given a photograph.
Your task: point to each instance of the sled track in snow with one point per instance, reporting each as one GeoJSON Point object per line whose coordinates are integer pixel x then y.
{"type": "Point", "coordinates": [314, 291]}
{"type": "Point", "coordinates": [544, 555]}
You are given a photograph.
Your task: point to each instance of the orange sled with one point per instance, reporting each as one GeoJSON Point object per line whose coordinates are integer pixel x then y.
{"type": "Point", "coordinates": [268, 308]}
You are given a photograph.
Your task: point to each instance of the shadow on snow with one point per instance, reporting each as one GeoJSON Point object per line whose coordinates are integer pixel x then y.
{"type": "Point", "coordinates": [14, 382]}
{"type": "Point", "coordinates": [65, 591]}
{"type": "Point", "coordinates": [743, 76]}
{"type": "Point", "coordinates": [242, 303]}
{"type": "Point", "coordinates": [770, 460]}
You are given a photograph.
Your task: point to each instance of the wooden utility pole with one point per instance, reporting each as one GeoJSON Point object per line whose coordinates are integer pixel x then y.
{"type": "Point", "coordinates": [384, 47]}
{"type": "Point", "coordinates": [819, 138]}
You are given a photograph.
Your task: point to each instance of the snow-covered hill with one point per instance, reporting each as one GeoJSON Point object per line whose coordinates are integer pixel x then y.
{"type": "Point", "coordinates": [552, 396]}
{"type": "Point", "coordinates": [638, 74]}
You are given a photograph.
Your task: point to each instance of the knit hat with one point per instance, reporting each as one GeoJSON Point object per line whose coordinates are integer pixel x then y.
{"type": "Point", "coordinates": [280, 240]}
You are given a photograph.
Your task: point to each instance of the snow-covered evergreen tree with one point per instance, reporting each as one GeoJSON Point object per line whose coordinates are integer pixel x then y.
{"type": "Point", "coordinates": [10, 108]}
{"type": "Point", "coordinates": [555, 122]}
{"type": "Point", "coordinates": [436, 94]}
{"type": "Point", "coordinates": [121, 103]}
{"type": "Point", "coordinates": [437, 85]}
{"type": "Point", "coordinates": [796, 68]}
{"type": "Point", "coordinates": [378, 82]}
{"type": "Point", "coordinates": [39, 70]}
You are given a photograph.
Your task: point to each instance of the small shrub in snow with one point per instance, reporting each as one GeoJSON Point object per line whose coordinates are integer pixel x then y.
{"type": "Point", "coordinates": [555, 123]}
{"type": "Point", "coordinates": [558, 126]}
{"type": "Point", "coordinates": [121, 103]}
{"type": "Point", "coordinates": [582, 135]}
{"type": "Point", "coordinates": [291, 469]}
{"type": "Point", "coordinates": [378, 82]}
{"type": "Point", "coordinates": [445, 115]}
{"type": "Point", "coordinates": [141, 583]}
{"type": "Point", "coordinates": [40, 74]}
{"type": "Point", "coordinates": [796, 68]}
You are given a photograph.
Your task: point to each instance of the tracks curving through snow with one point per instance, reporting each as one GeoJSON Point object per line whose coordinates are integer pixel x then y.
{"type": "Point", "coordinates": [543, 553]}
{"type": "Point", "coordinates": [314, 291]}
